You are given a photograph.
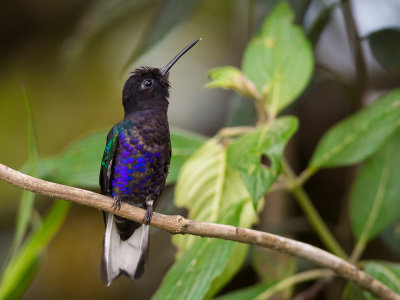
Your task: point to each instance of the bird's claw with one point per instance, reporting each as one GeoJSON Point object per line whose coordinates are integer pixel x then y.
{"type": "Point", "coordinates": [117, 204]}
{"type": "Point", "coordinates": [148, 215]}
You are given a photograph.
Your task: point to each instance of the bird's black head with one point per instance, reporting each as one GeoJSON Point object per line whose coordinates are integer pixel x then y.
{"type": "Point", "coordinates": [148, 87]}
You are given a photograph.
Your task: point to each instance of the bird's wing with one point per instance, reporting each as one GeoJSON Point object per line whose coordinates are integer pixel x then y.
{"type": "Point", "coordinates": [168, 160]}
{"type": "Point", "coordinates": [107, 162]}
{"type": "Point", "coordinates": [166, 170]}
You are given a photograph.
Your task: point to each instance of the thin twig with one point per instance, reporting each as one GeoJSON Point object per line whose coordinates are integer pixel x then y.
{"type": "Point", "coordinates": [234, 131]}
{"type": "Point", "coordinates": [293, 280]}
{"type": "Point", "coordinates": [313, 291]}
{"type": "Point", "coordinates": [180, 225]}
{"type": "Point", "coordinates": [305, 175]}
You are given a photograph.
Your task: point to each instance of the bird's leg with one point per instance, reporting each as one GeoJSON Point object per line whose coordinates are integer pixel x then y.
{"type": "Point", "coordinates": [117, 203]}
{"type": "Point", "coordinates": [149, 211]}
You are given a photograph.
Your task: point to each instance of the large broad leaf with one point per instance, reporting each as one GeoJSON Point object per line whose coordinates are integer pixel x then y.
{"type": "Point", "coordinates": [100, 17]}
{"type": "Point", "coordinates": [387, 273]}
{"type": "Point", "coordinates": [385, 45]}
{"type": "Point", "coordinates": [208, 190]}
{"type": "Point", "coordinates": [279, 59]}
{"type": "Point", "coordinates": [184, 144]}
{"type": "Point", "coordinates": [79, 164]}
{"type": "Point", "coordinates": [191, 277]}
{"type": "Point", "coordinates": [197, 272]}
{"type": "Point", "coordinates": [212, 193]}
{"type": "Point", "coordinates": [359, 135]}
{"type": "Point", "coordinates": [21, 269]}
{"type": "Point", "coordinates": [104, 15]}
{"type": "Point", "coordinates": [376, 192]}
{"type": "Point", "coordinates": [247, 153]}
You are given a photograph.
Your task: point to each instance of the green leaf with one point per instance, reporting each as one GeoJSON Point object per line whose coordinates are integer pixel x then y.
{"type": "Point", "coordinates": [272, 266]}
{"type": "Point", "coordinates": [272, 288]}
{"type": "Point", "coordinates": [391, 237]}
{"type": "Point", "coordinates": [232, 265]}
{"type": "Point", "coordinates": [359, 135]}
{"type": "Point", "coordinates": [387, 273]}
{"type": "Point", "coordinates": [224, 77]}
{"type": "Point", "coordinates": [170, 13]}
{"type": "Point", "coordinates": [184, 144]}
{"type": "Point", "coordinates": [23, 265]}
{"type": "Point", "coordinates": [79, 164]}
{"type": "Point", "coordinates": [279, 59]}
{"type": "Point", "coordinates": [385, 45]}
{"type": "Point", "coordinates": [192, 276]}
{"type": "Point", "coordinates": [233, 78]}
{"type": "Point", "coordinates": [208, 190]}
{"type": "Point", "coordinates": [376, 191]}
{"type": "Point", "coordinates": [318, 26]}
{"type": "Point", "coordinates": [27, 198]}
{"type": "Point", "coordinates": [23, 219]}
{"type": "Point", "coordinates": [212, 193]}
{"type": "Point", "coordinates": [250, 292]}
{"type": "Point", "coordinates": [353, 292]}
{"type": "Point", "coordinates": [244, 113]}
{"type": "Point", "coordinates": [248, 151]}
{"type": "Point", "coordinates": [101, 16]}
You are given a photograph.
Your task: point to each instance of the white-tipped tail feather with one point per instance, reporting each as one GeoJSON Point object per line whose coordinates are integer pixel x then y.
{"type": "Point", "coordinates": [127, 257]}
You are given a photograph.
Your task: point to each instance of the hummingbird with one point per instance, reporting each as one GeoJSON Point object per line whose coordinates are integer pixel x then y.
{"type": "Point", "coordinates": [134, 168]}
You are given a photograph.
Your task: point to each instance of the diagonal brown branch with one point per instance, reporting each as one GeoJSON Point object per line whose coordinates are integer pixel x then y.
{"type": "Point", "coordinates": [180, 225]}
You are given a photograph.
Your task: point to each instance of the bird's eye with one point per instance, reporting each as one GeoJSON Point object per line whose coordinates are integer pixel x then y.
{"type": "Point", "coordinates": [147, 83]}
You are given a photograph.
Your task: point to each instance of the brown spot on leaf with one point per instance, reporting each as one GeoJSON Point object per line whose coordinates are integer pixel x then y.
{"type": "Point", "coordinates": [265, 161]}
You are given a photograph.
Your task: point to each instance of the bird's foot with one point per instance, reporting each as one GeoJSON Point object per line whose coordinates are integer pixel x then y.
{"type": "Point", "coordinates": [117, 203]}
{"type": "Point", "coordinates": [149, 214]}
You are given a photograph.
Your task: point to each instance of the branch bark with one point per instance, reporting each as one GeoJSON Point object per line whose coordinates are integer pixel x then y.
{"type": "Point", "coordinates": [180, 225]}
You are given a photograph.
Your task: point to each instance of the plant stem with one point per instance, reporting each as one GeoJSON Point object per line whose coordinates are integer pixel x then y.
{"type": "Point", "coordinates": [312, 215]}
{"type": "Point", "coordinates": [294, 279]}
{"type": "Point", "coordinates": [261, 117]}
{"type": "Point", "coordinates": [305, 175]}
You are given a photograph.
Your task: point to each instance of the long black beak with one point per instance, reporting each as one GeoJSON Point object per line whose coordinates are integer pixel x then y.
{"type": "Point", "coordinates": [165, 70]}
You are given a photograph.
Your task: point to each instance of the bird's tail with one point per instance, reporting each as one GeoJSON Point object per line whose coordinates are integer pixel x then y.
{"type": "Point", "coordinates": [123, 256]}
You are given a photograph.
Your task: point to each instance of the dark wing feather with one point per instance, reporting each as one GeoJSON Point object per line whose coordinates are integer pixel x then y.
{"type": "Point", "coordinates": [168, 160]}
{"type": "Point", "coordinates": [166, 170]}
{"type": "Point", "coordinates": [107, 162]}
